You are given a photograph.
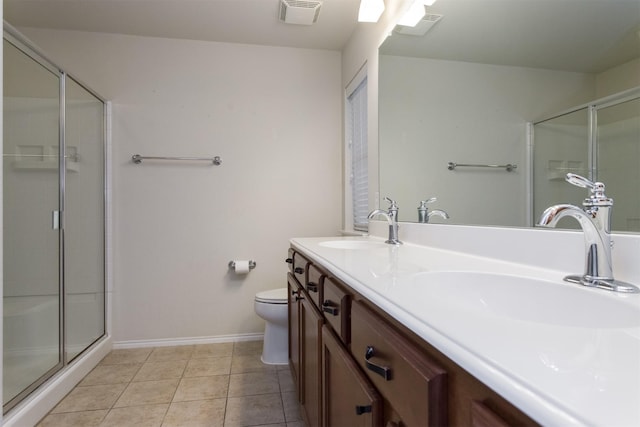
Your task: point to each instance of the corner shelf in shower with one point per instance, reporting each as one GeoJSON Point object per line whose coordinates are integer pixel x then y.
{"type": "Point", "coordinates": [44, 165]}
{"type": "Point", "coordinates": [42, 157]}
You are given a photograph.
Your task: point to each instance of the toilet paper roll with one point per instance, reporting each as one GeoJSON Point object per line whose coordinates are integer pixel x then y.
{"type": "Point", "coordinates": [241, 267]}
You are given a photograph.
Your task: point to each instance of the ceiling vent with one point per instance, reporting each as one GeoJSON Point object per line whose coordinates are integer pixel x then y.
{"type": "Point", "coordinates": [299, 12]}
{"type": "Point", "coordinates": [421, 28]}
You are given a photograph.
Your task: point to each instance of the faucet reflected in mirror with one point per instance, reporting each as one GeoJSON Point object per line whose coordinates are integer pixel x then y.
{"type": "Point", "coordinates": [595, 220]}
{"type": "Point", "coordinates": [423, 212]}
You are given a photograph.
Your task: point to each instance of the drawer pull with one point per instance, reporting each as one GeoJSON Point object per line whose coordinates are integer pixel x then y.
{"type": "Point", "coordinates": [298, 297]}
{"type": "Point", "coordinates": [299, 270]}
{"type": "Point", "coordinates": [294, 292]}
{"type": "Point", "coordinates": [383, 371]}
{"type": "Point", "coordinates": [312, 287]}
{"type": "Point", "coordinates": [363, 409]}
{"type": "Point", "coordinates": [328, 307]}
{"type": "Point", "coordinates": [289, 260]}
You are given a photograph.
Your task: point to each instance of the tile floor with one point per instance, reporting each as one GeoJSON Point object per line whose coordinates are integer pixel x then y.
{"type": "Point", "coordinates": [194, 385]}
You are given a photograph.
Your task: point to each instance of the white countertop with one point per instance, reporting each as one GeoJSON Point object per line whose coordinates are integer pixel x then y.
{"type": "Point", "coordinates": [558, 374]}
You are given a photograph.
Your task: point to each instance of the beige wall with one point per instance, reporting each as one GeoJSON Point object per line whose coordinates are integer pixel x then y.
{"type": "Point", "coordinates": [618, 79]}
{"type": "Point", "coordinates": [272, 114]}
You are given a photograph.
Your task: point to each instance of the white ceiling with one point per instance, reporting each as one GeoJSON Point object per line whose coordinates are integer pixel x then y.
{"type": "Point", "coordinates": [233, 21]}
{"type": "Point", "coordinates": [574, 35]}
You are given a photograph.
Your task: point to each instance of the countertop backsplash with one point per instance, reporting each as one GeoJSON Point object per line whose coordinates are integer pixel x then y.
{"type": "Point", "coordinates": [561, 250]}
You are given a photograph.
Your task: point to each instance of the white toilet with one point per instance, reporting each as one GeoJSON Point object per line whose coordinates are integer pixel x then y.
{"type": "Point", "coordinates": [272, 307]}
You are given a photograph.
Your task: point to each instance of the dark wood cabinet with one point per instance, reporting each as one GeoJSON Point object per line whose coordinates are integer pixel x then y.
{"type": "Point", "coordinates": [413, 383]}
{"type": "Point", "coordinates": [310, 341]}
{"type": "Point", "coordinates": [336, 308]}
{"type": "Point", "coordinates": [354, 365]}
{"type": "Point", "coordinates": [481, 416]}
{"type": "Point", "coordinates": [350, 400]}
{"type": "Point", "coordinates": [294, 330]}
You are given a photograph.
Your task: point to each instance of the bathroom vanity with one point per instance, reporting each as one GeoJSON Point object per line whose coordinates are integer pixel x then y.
{"type": "Point", "coordinates": [385, 335]}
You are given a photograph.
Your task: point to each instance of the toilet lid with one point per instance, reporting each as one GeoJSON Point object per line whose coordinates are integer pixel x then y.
{"type": "Point", "coordinates": [274, 296]}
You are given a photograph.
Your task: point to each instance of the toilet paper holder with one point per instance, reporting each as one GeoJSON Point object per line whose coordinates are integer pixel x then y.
{"type": "Point", "coordinates": [252, 265]}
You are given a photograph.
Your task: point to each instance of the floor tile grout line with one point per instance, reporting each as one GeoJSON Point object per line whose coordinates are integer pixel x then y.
{"type": "Point", "coordinates": [236, 352]}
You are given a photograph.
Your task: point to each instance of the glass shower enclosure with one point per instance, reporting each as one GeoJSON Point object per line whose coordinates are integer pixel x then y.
{"type": "Point", "coordinates": [53, 219]}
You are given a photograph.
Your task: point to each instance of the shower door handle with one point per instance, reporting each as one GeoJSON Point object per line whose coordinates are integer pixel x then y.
{"type": "Point", "coordinates": [55, 220]}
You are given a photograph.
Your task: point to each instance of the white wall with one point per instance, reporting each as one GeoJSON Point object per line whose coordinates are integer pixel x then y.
{"type": "Point", "coordinates": [274, 116]}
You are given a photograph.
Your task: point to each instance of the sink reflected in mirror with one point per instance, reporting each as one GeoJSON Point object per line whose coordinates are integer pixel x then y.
{"type": "Point", "coordinates": [525, 299]}
{"type": "Point", "coordinates": [353, 244]}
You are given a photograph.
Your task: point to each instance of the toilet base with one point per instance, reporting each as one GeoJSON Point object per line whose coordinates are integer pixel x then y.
{"type": "Point", "coordinates": [275, 350]}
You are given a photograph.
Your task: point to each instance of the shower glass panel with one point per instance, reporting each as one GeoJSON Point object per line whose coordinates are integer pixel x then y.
{"type": "Point", "coordinates": [31, 135]}
{"type": "Point", "coordinates": [84, 219]}
{"type": "Point", "coordinates": [561, 146]}
{"type": "Point", "coordinates": [618, 161]}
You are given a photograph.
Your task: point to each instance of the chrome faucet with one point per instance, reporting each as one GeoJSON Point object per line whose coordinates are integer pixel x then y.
{"type": "Point", "coordinates": [595, 220]}
{"type": "Point", "coordinates": [424, 214]}
{"type": "Point", "coordinates": [392, 218]}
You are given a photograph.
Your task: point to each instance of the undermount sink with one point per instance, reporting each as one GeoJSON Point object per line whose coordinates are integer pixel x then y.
{"type": "Point", "coordinates": [353, 244]}
{"type": "Point", "coordinates": [525, 299]}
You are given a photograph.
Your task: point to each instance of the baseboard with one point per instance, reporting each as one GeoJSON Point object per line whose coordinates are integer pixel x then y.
{"type": "Point", "coordinates": [166, 342]}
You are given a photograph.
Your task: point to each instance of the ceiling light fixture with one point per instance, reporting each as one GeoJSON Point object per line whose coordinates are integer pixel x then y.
{"type": "Point", "coordinates": [370, 10]}
{"type": "Point", "coordinates": [415, 12]}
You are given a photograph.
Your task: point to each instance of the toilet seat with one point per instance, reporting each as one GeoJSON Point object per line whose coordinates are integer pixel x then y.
{"type": "Point", "coordinates": [273, 296]}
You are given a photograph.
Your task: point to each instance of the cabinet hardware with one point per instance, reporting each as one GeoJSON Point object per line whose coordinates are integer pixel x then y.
{"type": "Point", "coordinates": [383, 371]}
{"type": "Point", "coordinates": [294, 292]}
{"type": "Point", "coordinates": [298, 270]}
{"type": "Point", "coordinates": [289, 260]}
{"type": "Point", "coordinates": [360, 409]}
{"type": "Point", "coordinates": [312, 287]}
{"type": "Point", "coordinates": [298, 297]}
{"type": "Point", "coordinates": [327, 307]}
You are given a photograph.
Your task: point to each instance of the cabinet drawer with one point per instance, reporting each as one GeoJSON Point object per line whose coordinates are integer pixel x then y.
{"type": "Point", "coordinates": [289, 259]}
{"type": "Point", "coordinates": [314, 284]}
{"type": "Point", "coordinates": [300, 266]}
{"type": "Point", "coordinates": [336, 308]}
{"type": "Point", "coordinates": [414, 385]}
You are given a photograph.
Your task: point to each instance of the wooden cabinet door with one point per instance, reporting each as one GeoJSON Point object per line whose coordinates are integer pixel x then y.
{"type": "Point", "coordinates": [349, 398]}
{"type": "Point", "coordinates": [310, 341]}
{"type": "Point", "coordinates": [412, 382]}
{"type": "Point", "coordinates": [294, 330]}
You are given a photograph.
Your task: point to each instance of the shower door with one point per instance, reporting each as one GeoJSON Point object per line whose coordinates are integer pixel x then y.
{"type": "Point", "coordinates": [31, 201]}
{"type": "Point", "coordinates": [561, 146]}
{"type": "Point", "coordinates": [54, 219]}
{"type": "Point", "coordinates": [83, 219]}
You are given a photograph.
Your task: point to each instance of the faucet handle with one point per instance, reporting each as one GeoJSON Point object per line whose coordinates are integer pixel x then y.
{"type": "Point", "coordinates": [423, 203]}
{"type": "Point", "coordinates": [393, 204]}
{"type": "Point", "coordinates": [596, 197]}
{"type": "Point", "coordinates": [580, 181]}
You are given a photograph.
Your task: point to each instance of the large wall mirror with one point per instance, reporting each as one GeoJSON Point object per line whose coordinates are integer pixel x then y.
{"type": "Point", "coordinates": [547, 86]}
